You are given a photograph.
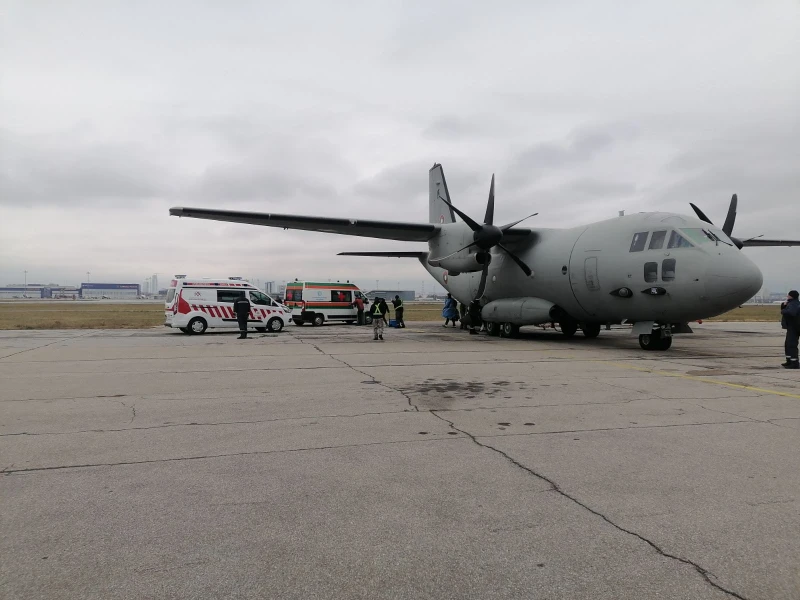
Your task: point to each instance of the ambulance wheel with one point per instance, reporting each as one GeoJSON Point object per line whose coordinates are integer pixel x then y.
{"type": "Point", "coordinates": [368, 319]}
{"type": "Point", "coordinates": [261, 329]}
{"type": "Point", "coordinates": [197, 325]}
{"type": "Point", "coordinates": [492, 329]}
{"type": "Point", "coordinates": [274, 325]}
{"type": "Point", "coordinates": [568, 328]}
{"type": "Point", "coordinates": [318, 320]}
{"type": "Point", "coordinates": [591, 330]}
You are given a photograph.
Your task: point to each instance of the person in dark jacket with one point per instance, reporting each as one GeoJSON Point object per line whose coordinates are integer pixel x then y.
{"type": "Point", "coordinates": [474, 315]}
{"type": "Point", "coordinates": [462, 311]}
{"type": "Point", "coordinates": [398, 311]}
{"type": "Point", "coordinates": [790, 320]}
{"type": "Point", "coordinates": [241, 307]}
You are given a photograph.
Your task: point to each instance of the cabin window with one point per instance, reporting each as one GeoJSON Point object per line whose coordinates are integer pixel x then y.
{"type": "Point", "coordinates": [657, 241]}
{"type": "Point", "coordinates": [229, 295]}
{"type": "Point", "coordinates": [676, 241]}
{"type": "Point", "coordinates": [650, 272]}
{"type": "Point", "coordinates": [259, 298]}
{"type": "Point", "coordinates": [340, 296]}
{"type": "Point", "coordinates": [639, 241]}
{"type": "Point", "coordinates": [668, 269]}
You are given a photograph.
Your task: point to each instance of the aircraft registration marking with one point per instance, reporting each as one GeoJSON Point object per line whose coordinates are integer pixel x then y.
{"type": "Point", "coordinates": [703, 380]}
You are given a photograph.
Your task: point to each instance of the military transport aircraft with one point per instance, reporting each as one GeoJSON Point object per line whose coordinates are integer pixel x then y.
{"type": "Point", "coordinates": [656, 271]}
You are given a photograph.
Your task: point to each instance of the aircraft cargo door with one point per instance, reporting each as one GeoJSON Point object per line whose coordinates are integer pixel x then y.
{"type": "Point", "coordinates": [584, 275]}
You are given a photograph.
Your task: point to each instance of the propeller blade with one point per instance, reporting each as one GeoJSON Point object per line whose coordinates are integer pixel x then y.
{"type": "Point", "coordinates": [505, 228]}
{"type": "Point", "coordinates": [489, 218]}
{"type": "Point", "coordinates": [482, 286]}
{"type": "Point", "coordinates": [727, 227]}
{"type": "Point", "coordinates": [701, 214]}
{"type": "Point", "coordinates": [435, 261]}
{"type": "Point", "coordinates": [472, 224]}
{"type": "Point", "coordinates": [526, 269]}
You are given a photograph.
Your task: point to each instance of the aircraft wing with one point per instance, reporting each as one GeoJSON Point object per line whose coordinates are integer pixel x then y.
{"type": "Point", "coordinates": [385, 230]}
{"type": "Point", "coordinates": [419, 255]}
{"type": "Point", "coordinates": [764, 242]}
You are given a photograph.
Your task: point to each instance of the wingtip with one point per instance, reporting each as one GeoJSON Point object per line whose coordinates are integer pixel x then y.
{"type": "Point", "coordinates": [176, 211]}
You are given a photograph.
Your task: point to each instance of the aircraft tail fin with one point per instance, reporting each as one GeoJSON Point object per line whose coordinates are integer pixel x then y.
{"type": "Point", "coordinates": [437, 189]}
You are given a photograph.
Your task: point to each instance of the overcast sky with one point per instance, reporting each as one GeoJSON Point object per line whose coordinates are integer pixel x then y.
{"type": "Point", "coordinates": [111, 112]}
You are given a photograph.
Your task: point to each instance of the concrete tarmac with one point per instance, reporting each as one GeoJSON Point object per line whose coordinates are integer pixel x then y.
{"type": "Point", "coordinates": [318, 463]}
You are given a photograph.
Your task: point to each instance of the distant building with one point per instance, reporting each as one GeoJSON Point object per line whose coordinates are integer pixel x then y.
{"type": "Point", "coordinates": [21, 291]}
{"type": "Point", "coordinates": [115, 291]}
{"type": "Point", "coordinates": [269, 287]}
{"type": "Point", "coordinates": [405, 295]}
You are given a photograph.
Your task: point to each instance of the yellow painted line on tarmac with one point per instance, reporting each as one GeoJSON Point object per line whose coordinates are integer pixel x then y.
{"type": "Point", "coordinates": [702, 379]}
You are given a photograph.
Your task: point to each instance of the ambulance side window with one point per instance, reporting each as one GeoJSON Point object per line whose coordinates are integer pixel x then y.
{"type": "Point", "coordinates": [229, 295]}
{"type": "Point", "coordinates": [170, 295]}
{"type": "Point", "coordinates": [340, 296]}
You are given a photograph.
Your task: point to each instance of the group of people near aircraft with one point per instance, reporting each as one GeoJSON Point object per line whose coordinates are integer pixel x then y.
{"type": "Point", "coordinates": [469, 315]}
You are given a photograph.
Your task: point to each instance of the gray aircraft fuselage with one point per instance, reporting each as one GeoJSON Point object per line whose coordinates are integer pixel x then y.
{"type": "Point", "coordinates": [582, 269]}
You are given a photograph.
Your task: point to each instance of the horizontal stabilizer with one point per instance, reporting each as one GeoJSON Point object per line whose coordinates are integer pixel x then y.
{"type": "Point", "coordinates": [763, 242]}
{"type": "Point", "coordinates": [384, 230]}
{"type": "Point", "coordinates": [417, 255]}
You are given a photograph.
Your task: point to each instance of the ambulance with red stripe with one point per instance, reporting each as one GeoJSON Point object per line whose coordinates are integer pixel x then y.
{"type": "Point", "coordinates": [316, 303]}
{"type": "Point", "coordinates": [194, 305]}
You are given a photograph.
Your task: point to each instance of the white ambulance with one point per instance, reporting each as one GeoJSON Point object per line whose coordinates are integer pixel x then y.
{"type": "Point", "coordinates": [194, 305]}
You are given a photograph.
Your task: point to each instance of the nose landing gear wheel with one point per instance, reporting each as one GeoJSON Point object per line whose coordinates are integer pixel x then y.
{"type": "Point", "coordinates": [655, 341]}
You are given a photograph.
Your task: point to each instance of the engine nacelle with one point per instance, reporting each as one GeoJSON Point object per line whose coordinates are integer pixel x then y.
{"type": "Point", "coordinates": [520, 311]}
{"type": "Point", "coordinates": [463, 262]}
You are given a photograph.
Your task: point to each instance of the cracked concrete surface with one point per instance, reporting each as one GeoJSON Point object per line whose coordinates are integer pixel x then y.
{"type": "Point", "coordinates": [317, 464]}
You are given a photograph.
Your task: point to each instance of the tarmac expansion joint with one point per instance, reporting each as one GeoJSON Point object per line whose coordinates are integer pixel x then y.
{"type": "Point", "coordinates": [707, 575]}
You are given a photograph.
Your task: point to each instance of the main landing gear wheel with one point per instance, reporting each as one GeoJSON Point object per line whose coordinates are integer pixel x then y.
{"type": "Point", "coordinates": [568, 328]}
{"type": "Point", "coordinates": [655, 341]}
{"type": "Point", "coordinates": [274, 325]}
{"type": "Point", "coordinates": [509, 330]}
{"type": "Point", "coordinates": [591, 330]}
{"type": "Point", "coordinates": [197, 325]}
{"type": "Point", "coordinates": [318, 320]}
{"type": "Point", "coordinates": [493, 329]}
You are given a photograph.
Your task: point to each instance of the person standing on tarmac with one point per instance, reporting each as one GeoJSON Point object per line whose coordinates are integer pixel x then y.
{"type": "Point", "coordinates": [398, 311]}
{"type": "Point", "coordinates": [379, 310]}
{"type": "Point", "coordinates": [450, 310]}
{"type": "Point", "coordinates": [474, 313]}
{"type": "Point", "coordinates": [790, 321]}
{"type": "Point", "coordinates": [241, 306]}
{"type": "Point", "coordinates": [358, 303]}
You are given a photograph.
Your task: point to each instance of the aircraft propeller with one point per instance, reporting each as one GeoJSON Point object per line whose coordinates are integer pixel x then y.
{"type": "Point", "coordinates": [488, 235]}
{"type": "Point", "coordinates": [730, 219]}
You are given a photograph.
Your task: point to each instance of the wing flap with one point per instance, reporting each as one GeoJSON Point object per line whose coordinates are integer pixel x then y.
{"type": "Point", "coordinates": [385, 230]}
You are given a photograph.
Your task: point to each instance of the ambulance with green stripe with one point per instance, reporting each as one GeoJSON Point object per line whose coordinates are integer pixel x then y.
{"type": "Point", "coordinates": [317, 303]}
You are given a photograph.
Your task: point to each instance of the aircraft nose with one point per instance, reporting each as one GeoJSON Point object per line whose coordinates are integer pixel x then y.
{"type": "Point", "coordinates": [733, 279]}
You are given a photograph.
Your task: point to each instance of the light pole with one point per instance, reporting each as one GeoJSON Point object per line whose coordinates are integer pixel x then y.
{"type": "Point", "coordinates": [26, 280]}
{"type": "Point", "coordinates": [87, 276]}
{"type": "Point", "coordinates": [377, 285]}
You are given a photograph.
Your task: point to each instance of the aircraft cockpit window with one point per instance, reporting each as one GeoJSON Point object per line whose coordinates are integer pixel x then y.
{"type": "Point", "coordinates": [639, 241]}
{"type": "Point", "coordinates": [650, 272]}
{"type": "Point", "coordinates": [703, 236]}
{"type": "Point", "coordinates": [677, 241]}
{"type": "Point", "coordinates": [657, 241]}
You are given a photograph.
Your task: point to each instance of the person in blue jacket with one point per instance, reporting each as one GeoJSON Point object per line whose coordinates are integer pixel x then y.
{"type": "Point", "coordinates": [790, 321]}
{"type": "Point", "coordinates": [450, 310]}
